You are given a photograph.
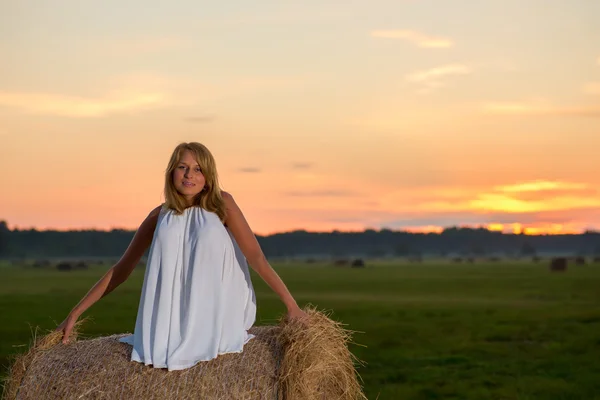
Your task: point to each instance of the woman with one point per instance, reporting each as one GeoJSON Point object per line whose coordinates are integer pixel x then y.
{"type": "Point", "coordinates": [197, 298]}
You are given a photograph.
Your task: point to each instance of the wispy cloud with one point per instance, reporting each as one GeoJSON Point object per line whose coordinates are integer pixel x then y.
{"type": "Point", "coordinates": [500, 202]}
{"type": "Point", "coordinates": [414, 37]}
{"type": "Point", "coordinates": [142, 91]}
{"type": "Point", "coordinates": [302, 165]}
{"type": "Point", "coordinates": [540, 108]}
{"type": "Point", "coordinates": [433, 78]}
{"type": "Point", "coordinates": [536, 206]}
{"type": "Point", "coordinates": [591, 88]}
{"type": "Point", "coordinates": [322, 193]}
{"type": "Point", "coordinates": [80, 107]}
{"type": "Point", "coordinates": [249, 170]}
{"type": "Point", "coordinates": [524, 197]}
{"type": "Point", "coordinates": [541, 185]}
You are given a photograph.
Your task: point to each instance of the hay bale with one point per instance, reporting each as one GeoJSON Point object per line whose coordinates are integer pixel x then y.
{"type": "Point", "coordinates": [290, 360]}
{"type": "Point", "coordinates": [596, 260]}
{"type": "Point", "coordinates": [579, 260]}
{"type": "Point", "coordinates": [558, 264]}
{"type": "Point", "coordinates": [64, 266]}
{"type": "Point", "coordinates": [358, 263]}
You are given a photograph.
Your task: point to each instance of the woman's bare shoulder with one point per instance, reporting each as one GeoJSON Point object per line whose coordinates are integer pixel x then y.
{"type": "Point", "coordinates": [228, 199]}
{"type": "Point", "coordinates": [154, 214]}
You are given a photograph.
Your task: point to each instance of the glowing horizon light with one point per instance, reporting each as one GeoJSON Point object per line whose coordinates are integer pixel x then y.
{"type": "Point", "coordinates": [495, 227]}
{"type": "Point", "coordinates": [424, 229]}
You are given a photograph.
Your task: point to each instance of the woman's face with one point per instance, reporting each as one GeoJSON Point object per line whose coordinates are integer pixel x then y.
{"type": "Point", "coordinates": [187, 177]}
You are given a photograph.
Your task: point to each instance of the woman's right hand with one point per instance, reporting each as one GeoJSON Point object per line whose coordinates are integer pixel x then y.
{"type": "Point", "coordinates": [66, 327]}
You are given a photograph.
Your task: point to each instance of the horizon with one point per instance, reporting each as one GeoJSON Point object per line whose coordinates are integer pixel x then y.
{"type": "Point", "coordinates": [408, 115]}
{"type": "Point", "coordinates": [523, 231]}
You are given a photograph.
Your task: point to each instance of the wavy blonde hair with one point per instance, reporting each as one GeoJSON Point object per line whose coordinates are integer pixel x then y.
{"type": "Point", "coordinates": [210, 198]}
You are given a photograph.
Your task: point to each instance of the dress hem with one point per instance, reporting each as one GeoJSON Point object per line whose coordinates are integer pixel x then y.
{"type": "Point", "coordinates": [186, 366]}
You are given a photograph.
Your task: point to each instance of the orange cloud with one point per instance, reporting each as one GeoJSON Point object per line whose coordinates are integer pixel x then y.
{"type": "Point", "coordinates": [540, 185]}
{"type": "Point", "coordinates": [531, 207]}
{"type": "Point", "coordinates": [436, 77]}
{"type": "Point", "coordinates": [504, 203]}
{"type": "Point", "coordinates": [416, 38]}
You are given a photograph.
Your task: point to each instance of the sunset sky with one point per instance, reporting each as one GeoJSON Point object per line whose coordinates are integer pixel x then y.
{"type": "Point", "coordinates": [403, 114]}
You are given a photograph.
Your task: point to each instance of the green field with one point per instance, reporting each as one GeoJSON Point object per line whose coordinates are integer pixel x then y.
{"type": "Point", "coordinates": [431, 331]}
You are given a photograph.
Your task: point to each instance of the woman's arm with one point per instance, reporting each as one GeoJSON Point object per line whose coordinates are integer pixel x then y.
{"type": "Point", "coordinates": [237, 224]}
{"type": "Point", "coordinates": [117, 274]}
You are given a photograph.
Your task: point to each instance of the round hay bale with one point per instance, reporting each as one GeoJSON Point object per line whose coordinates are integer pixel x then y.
{"type": "Point", "coordinates": [558, 264]}
{"type": "Point", "coordinates": [290, 360]}
{"type": "Point", "coordinates": [64, 266]}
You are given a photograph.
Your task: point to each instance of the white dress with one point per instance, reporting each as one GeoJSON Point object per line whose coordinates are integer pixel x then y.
{"type": "Point", "coordinates": [197, 299]}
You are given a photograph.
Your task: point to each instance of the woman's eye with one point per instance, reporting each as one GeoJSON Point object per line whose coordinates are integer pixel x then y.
{"type": "Point", "coordinates": [198, 170]}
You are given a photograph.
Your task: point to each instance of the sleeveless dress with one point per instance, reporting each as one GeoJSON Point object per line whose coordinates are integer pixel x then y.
{"type": "Point", "coordinates": [197, 298]}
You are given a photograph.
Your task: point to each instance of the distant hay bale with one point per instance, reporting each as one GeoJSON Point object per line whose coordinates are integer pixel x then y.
{"type": "Point", "coordinates": [64, 266]}
{"type": "Point", "coordinates": [457, 260]}
{"type": "Point", "coordinates": [579, 260]}
{"type": "Point", "coordinates": [596, 260]}
{"type": "Point", "coordinates": [358, 263]}
{"type": "Point", "coordinates": [289, 360]}
{"type": "Point", "coordinates": [536, 259]}
{"type": "Point", "coordinates": [558, 264]}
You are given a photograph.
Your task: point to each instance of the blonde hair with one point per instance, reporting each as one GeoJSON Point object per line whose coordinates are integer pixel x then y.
{"type": "Point", "coordinates": [210, 197]}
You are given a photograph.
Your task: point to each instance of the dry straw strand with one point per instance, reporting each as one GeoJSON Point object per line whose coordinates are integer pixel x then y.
{"type": "Point", "coordinates": [21, 362]}
{"type": "Point", "coordinates": [317, 363]}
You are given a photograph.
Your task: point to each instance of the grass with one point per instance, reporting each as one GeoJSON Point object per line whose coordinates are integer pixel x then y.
{"type": "Point", "coordinates": [431, 331]}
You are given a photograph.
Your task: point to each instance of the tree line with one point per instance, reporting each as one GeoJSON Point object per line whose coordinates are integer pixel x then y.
{"type": "Point", "coordinates": [474, 242]}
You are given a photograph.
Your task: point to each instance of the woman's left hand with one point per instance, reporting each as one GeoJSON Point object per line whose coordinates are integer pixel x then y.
{"type": "Point", "coordinates": [297, 313]}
